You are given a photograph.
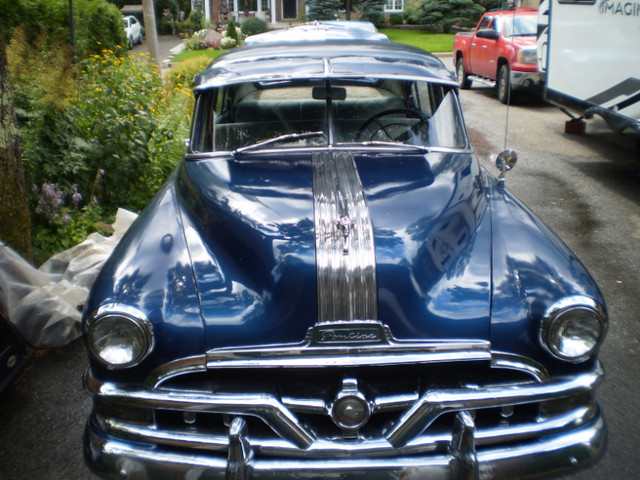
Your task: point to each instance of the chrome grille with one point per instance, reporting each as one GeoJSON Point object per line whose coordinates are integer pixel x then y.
{"type": "Point", "coordinates": [196, 410]}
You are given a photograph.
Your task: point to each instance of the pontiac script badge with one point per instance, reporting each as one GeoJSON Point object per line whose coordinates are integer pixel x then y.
{"type": "Point", "coordinates": [348, 333]}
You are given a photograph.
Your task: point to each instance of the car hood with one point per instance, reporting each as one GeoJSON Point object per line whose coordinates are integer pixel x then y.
{"type": "Point", "coordinates": [277, 246]}
{"type": "Point", "coordinates": [523, 41]}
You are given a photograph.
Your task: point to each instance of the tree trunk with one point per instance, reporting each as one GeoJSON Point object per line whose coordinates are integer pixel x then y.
{"type": "Point", "coordinates": [15, 223]}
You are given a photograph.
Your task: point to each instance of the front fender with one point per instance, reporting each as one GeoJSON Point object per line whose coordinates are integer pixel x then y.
{"type": "Point", "coordinates": [532, 269]}
{"type": "Point", "coordinates": [151, 270]}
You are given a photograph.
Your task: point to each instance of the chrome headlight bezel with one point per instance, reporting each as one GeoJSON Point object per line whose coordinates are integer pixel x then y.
{"type": "Point", "coordinates": [572, 329]}
{"type": "Point", "coordinates": [119, 336]}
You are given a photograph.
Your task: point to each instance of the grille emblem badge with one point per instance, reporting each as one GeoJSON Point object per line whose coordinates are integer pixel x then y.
{"type": "Point", "coordinates": [350, 410]}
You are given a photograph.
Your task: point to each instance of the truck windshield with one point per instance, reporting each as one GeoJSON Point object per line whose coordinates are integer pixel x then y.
{"type": "Point", "coordinates": [268, 115]}
{"type": "Point", "coordinates": [520, 25]}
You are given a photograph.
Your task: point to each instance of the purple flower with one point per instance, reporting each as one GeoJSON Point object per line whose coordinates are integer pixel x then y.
{"type": "Point", "coordinates": [48, 191]}
{"type": "Point", "coordinates": [76, 197]}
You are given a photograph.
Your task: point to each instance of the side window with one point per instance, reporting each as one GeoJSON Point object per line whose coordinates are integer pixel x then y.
{"type": "Point", "coordinates": [208, 105]}
{"type": "Point", "coordinates": [422, 97]}
{"type": "Point", "coordinates": [133, 21]}
{"type": "Point", "coordinates": [485, 23]}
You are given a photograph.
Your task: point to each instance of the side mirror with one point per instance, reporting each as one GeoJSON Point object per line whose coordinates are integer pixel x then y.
{"type": "Point", "coordinates": [505, 162]}
{"type": "Point", "coordinates": [488, 33]}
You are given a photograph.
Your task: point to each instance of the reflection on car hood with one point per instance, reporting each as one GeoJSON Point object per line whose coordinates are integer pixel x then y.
{"type": "Point", "coordinates": [271, 259]}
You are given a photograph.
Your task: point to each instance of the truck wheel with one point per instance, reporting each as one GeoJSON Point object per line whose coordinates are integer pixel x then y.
{"type": "Point", "coordinates": [463, 78]}
{"type": "Point", "coordinates": [503, 86]}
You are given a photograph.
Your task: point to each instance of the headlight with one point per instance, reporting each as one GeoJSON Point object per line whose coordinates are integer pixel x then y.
{"type": "Point", "coordinates": [573, 328]}
{"type": "Point", "coordinates": [119, 336]}
{"type": "Point", "coordinates": [528, 56]}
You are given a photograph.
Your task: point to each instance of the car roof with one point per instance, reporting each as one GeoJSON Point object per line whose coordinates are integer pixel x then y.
{"type": "Point", "coordinates": [320, 30]}
{"type": "Point", "coordinates": [326, 59]}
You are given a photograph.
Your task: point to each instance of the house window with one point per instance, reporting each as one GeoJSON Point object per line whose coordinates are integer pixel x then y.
{"type": "Point", "coordinates": [248, 5]}
{"type": "Point", "coordinates": [394, 6]}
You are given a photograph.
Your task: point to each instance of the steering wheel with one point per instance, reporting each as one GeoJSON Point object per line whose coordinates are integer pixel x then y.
{"type": "Point", "coordinates": [391, 130]}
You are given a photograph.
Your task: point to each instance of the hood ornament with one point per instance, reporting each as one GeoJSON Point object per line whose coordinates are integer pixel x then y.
{"type": "Point", "coordinates": [345, 225]}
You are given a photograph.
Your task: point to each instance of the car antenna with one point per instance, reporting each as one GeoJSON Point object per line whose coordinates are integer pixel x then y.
{"type": "Point", "coordinates": [506, 123]}
{"type": "Point", "coordinates": [507, 159]}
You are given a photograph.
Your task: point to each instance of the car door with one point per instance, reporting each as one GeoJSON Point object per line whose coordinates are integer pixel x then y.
{"type": "Point", "coordinates": [484, 50]}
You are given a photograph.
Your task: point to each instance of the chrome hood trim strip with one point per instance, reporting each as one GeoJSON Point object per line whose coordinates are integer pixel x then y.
{"type": "Point", "coordinates": [345, 254]}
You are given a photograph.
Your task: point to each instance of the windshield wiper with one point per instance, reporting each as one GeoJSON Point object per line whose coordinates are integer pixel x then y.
{"type": "Point", "coordinates": [282, 138]}
{"type": "Point", "coordinates": [377, 143]}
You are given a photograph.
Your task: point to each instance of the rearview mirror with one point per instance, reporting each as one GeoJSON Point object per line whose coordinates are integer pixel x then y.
{"type": "Point", "coordinates": [335, 93]}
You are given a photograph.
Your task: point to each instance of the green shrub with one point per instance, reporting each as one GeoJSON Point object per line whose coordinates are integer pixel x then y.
{"type": "Point", "coordinates": [196, 21]}
{"type": "Point", "coordinates": [443, 13]}
{"type": "Point", "coordinates": [182, 75]}
{"type": "Point", "coordinates": [232, 32]}
{"type": "Point", "coordinates": [395, 19]}
{"type": "Point", "coordinates": [254, 26]}
{"type": "Point", "coordinates": [98, 26]}
{"type": "Point", "coordinates": [196, 42]}
{"type": "Point", "coordinates": [98, 136]}
{"type": "Point", "coordinates": [228, 42]}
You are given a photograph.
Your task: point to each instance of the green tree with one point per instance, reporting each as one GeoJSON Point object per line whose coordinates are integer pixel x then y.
{"type": "Point", "coordinates": [443, 13]}
{"type": "Point", "coordinates": [15, 228]}
{"type": "Point", "coordinates": [324, 9]}
{"type": "Point", "coordinates": [372, 11]}
{"type": "Point", "coordinates": [97, 23]}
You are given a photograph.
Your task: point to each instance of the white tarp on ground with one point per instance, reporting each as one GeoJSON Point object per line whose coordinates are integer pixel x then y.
{"type": "Point", "coordinates": [44, 303]}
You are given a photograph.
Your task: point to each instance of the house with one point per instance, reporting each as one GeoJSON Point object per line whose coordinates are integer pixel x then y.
{"type": "Point", "coordinates": [272, 11]}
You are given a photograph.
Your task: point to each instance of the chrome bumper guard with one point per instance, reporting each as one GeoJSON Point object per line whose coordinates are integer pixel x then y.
{"type": "Point", "coordinates": [573, 438]}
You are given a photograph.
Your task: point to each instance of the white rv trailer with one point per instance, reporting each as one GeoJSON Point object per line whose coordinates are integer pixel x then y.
{"type": "Point", "coordinates": [589, 51]}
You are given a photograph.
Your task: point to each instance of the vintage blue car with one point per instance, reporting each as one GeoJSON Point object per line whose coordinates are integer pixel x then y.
{"type": "Point", "coordinates": [331, 287]}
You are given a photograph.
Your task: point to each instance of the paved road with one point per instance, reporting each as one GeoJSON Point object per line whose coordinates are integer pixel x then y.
{"type": "Point", "coordinates": [584, 187]}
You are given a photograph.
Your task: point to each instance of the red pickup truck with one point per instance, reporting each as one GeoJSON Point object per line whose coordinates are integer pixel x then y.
{"type": "Point", "coordinates": [501, 50]}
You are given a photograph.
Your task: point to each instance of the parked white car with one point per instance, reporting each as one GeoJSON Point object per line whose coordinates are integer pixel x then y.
{"type": "Point", "coordinates": [133, 30]}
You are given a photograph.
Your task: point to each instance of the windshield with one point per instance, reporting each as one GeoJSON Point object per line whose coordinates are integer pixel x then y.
{"type": "Point", "coordinates": [268, 115]}
{"type": "Point", "coordinates": [520, 25]}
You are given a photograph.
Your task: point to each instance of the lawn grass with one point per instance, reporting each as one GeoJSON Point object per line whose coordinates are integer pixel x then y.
{"type": "Point", "coordinates": [209, 53]}
{"type": "Point", "coordinates": [431, 42]}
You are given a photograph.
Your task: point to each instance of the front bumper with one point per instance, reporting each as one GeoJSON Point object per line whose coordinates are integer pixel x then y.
{"type": "Point", "coordinates": [127, 460]}
{"type": "Point", "coordinates": [412, 448]}
{"type": "Point", "coordinates": [526, 80]}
